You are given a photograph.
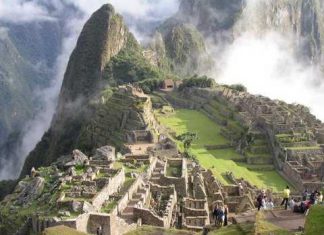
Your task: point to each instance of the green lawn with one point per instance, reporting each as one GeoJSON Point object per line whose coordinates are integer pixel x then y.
{"type": "Point", "coordinates": [62, 230]}
{"type": "Point", "coordinates": [315, 220]}
{"type": "Point", "coordinates": [219, 161]}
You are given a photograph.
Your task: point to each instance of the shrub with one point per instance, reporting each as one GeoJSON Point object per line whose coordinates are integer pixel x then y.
{"type": "Point", "coordinates": [195, 81]}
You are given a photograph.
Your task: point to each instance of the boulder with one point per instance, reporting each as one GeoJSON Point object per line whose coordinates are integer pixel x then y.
{"type": "Point", "coordinates": [76, 206]}
{"type": "Point", "coordinates": [106, 153]}
{"type": "Point", "coordinates": [29, 191]}
{"type": "Point", "coordinates": [78, 158]}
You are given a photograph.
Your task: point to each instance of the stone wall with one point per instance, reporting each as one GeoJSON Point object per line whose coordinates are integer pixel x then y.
{"type": "Point", "coordinates": [114, 183]}
{"type": "Point", "coordinates": [293, 175]}
{"type": "Point", "coordinates": [149, 218]}
{"type": "Point", "coordinates": [104, 220]}
{"type": "Point", "coordinates": [122, 203]}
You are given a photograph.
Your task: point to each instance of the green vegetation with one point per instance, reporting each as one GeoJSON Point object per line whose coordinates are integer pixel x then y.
{"type": "Point", "coordinates": [314, 220]}
{"type": "Point", "coordinates": [150, 230]}
{"type": "Point", "coordinates": [263, 227]}
{"type": "Point", "coordinates": [62, 230]}
{"type": "Point", "coordinates": [107, 208]}
{"type": "Point", "coordinates": [130, 66]}
{"type": "Point", "coordinates": [237, 87]}
{"type": "Point", "coordinates": [187, 139]}
{"type": "Point", "coordinates": [174, 171]}
{"type": "Point", "coordinates": [184, 47]}
{"type": "Point", "coordinates": [196, 81]}
{"type": "Point", "coordinates": [221, 160]}
{"type": "Point", "coordinates": [150, 85]}
{"type": "Point", "coordinates": [235, 229]}
{"type": "Point", "coordinates": [13, 216]}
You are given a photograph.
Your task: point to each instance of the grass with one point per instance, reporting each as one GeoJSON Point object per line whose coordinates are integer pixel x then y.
{"type": "Point", "coordinates": [315, 220]}
{"type": "Point", "coordinates": [62, 230]}
{"type": "Point", "coordinates": [305, 148]}
{"type": "Point", "coordinates": [218, 161]}
{"type": "Point", "coordinates": [262, 227]}
{"type": "Point", "coordinates": [127, 184]}
{"type": "Point", "coordinates": [234, 229]}
{"type": "Point", "coordinates": [241, 229]}
{"type": "Point", "coordinates": [174, 171]}
{"type": "Point", "coordinates": [109, 207]}
{"type": "Point", "coordinates": [150, 230]}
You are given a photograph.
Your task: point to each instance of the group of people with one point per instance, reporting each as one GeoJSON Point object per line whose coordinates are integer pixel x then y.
{"type": "Point", "coordinates": [296, 205]}
{"type": "Point", "coordinates": [315, 197]}
{"type": "Point", "coordinates": [220, 215]}
{"type": "Point", "coordinates": [308, 199]}
{"type": "Point", "coordinates": [264, 202]}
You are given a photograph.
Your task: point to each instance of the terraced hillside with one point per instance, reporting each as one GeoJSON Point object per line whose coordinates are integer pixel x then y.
{"type": "Point", "coordinates": [225, 158]}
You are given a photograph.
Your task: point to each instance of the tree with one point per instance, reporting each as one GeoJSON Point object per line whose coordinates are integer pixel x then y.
{"type": "Point", "coordinates": [187, 139]}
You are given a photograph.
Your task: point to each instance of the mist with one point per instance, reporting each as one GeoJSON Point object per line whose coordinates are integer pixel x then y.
{"type": "Point", "coordinates": [146, 12]}
{"type": "Point", "coordinates": [264, 60]}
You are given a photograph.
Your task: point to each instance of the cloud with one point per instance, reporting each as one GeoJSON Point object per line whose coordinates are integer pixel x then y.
{"type": "Point", "coordinates": [20, 11]}
{"type": "Point", "coordinates": [266, 65]}
{"type": "Point", "coordinates": [263, 58]}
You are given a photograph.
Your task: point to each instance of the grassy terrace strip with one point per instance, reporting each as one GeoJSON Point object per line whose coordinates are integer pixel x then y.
{"type": "Point", "coordinates": [219, 161]}
{"type": "Point", "coordinates": [62, 230]}
{"type": "Point", "coordinates": [315, 220]}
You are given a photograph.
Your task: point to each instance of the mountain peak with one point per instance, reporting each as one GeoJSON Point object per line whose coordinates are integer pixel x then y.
{"type": "Point", "coordinates": [102, 37]}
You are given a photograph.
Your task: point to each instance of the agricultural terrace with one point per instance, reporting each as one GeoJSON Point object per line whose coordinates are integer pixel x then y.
{"type": "Point", "coordinates": [221, 160]}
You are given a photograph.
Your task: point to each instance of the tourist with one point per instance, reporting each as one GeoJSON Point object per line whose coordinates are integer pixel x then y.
{"type": "Point", "coordinates": [270, 204]}
{"type": "Point", "coordinates": [292, 204]}
{"type": "Point", "coordinates": [312, 198]}
{"type": "Point", "coordinates": [264, 204]}
{"type": "Point", "coordinates": [225, 215]}
{"type": "Point", "coordinates": [215, 214]}
{"type": "Point", "coordinates": [221, 216]}
{"type": "Point", "coordinates": [99, 231]}
{"type": "Point", "coordinates": [305, 195]}
{"type": "Point", "coordinates": [260, 199]}
{"type": "Point", "coordinates": [286, 195]}
{"type": "Point", "coordinates": [320, 198]}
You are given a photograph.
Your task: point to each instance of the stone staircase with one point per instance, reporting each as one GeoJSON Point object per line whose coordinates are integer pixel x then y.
{"type": "Point", "coordinates": [157, 172]}
{"type": "Point", "coordinates": [138, 196]}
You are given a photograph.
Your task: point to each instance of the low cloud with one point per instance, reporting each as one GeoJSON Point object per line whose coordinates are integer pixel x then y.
{"type": "Point", "coordinates": [266, 65]}
{"type": "Point", "coordinates": [21, 11]}
{"type": "Point", "coordinates": [263, 58]}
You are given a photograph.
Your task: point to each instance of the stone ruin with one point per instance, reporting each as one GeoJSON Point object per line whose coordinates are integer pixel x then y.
{"type": "Point", "coordinates": [288, 135]}
{"type": "Point", "coordinates": [168, 190]}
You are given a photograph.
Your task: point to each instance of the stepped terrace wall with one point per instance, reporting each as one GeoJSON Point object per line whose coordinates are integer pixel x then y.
{"type": "Point", "coordinates": [113, 185]}
{"type": "Point", "coordinates": [149, 217]}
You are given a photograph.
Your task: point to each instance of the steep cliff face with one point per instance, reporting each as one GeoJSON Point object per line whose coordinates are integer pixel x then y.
{"type": "Point", "coordinates": [180, 47]}
{"type": "Point", "coordinates": [213, 18]}
{"type": "Point", "coordinates": [300, 21]}
{"type": "Point", "coordinates": [19, 76]}
{"type": "Point", "coordinates": [28, 55]}
{"type": "Point", "coordinates": [103, 37]}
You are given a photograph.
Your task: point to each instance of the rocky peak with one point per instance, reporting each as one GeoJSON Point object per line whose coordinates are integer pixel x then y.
{"type": "Point", "coordinates": [102, 37]}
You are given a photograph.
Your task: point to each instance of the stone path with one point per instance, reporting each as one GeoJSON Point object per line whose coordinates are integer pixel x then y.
{"type": "Point", "coordinates": [286, 219]}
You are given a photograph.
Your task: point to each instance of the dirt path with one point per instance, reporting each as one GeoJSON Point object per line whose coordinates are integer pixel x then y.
{"type": "Point", "coordinates": [286, 219]}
